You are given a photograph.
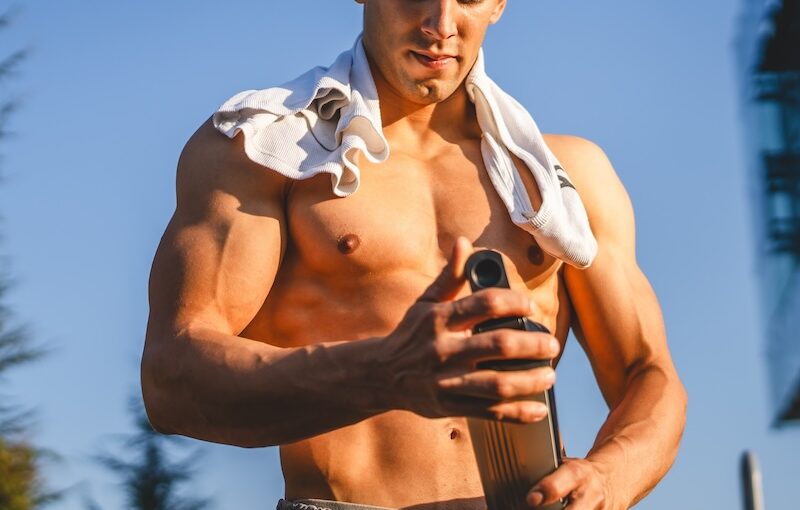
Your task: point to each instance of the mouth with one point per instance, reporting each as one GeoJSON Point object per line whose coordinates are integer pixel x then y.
{"type": "Point", "coordinates": [434, 60]}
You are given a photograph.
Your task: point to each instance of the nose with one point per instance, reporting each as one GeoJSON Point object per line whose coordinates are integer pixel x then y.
{"type": "Point", "coordinates": [440, 22]}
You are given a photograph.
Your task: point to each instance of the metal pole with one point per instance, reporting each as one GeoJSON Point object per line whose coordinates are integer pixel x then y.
{"type": "Point", "coordinates": [752, 491]}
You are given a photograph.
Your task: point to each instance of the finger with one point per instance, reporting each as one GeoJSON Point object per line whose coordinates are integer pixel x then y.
{"type": "Point", "coordinates": [451, 280]}
{"type": "Point", "coordinates": [523, 411]}
{"type": "Point", "coordinates": [558, 485]}
{"type": "Point", "coordinates": [501, 344]}
{"type": "Point", "coordinates": [500, 385]}
{"type": "Point", "coordinates": [487, 304]}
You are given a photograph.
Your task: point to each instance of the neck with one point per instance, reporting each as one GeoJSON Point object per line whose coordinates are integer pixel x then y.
{"type": "Point", "coordinates": [417, 125]}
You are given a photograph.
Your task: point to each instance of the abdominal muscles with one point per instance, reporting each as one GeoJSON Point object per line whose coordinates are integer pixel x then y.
{"type": "Point", "coordinates": [395, 460]}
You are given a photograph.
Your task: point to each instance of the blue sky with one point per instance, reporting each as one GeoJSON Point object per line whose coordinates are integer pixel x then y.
{"type": "Point", "coordinates": [112, 92]}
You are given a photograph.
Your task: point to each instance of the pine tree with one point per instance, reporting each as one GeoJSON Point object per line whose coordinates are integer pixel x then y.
{"type": "Point", "coordinates": [21, 485]}
{"type": "Point", "coordinates": [8, 67]}
{"type": "Point", "coordinates": [151, 479]}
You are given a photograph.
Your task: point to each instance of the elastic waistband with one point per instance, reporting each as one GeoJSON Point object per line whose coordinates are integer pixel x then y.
{"type": "Point", "coordinates": [323, 504]}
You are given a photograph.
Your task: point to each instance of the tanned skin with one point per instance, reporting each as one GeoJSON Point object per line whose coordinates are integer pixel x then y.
{"type": "Point", "coordinates": [339, 328]}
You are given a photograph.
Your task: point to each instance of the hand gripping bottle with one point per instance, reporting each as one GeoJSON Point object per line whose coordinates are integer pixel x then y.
{"type": "Point", "coordinates": [511, 457]}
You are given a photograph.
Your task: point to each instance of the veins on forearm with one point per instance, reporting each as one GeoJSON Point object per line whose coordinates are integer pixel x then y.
{"type": "Point", "coordinates": [251, 394]}
{"type": "Point", "coordinates": [639, 440]}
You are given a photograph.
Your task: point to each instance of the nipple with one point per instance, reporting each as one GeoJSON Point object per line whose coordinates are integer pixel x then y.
{"type": "Point", "coordinates": [348, 243]}
{"type": "Point", "coordinates": [535, 254]}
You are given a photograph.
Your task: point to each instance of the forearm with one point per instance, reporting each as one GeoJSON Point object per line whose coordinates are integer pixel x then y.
{"type": "Point", "coordinates": [639, 441]}
{"type": "Point", "coordinates": [233, 390]}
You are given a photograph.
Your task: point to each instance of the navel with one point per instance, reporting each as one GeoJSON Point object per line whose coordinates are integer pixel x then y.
{"type": "Point", "coordinates": [454, 434]}
{"type": "Point", "coordinates": [348, 243]}
{"type": "Point", "coordinates": [535, 254]}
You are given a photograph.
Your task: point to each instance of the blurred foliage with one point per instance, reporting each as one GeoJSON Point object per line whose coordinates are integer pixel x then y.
{"type": "Point", "coordinates": [152, 481]}
{"type": "Point", "coordinates": [150, 478]}
{"type": "Point", "coordinates": [21, 485]}
{"type": "Point", "coordinates": [9, 65]}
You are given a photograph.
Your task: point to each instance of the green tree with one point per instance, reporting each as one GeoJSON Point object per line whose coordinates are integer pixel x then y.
{"type": "Point", "coordinates": [21, 485]}
{"type": "Point", "coordinates": [150, 478]}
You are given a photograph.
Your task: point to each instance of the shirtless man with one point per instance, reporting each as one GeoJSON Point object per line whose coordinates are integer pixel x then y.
{"type": "Point", "coordinates": [338, 328]}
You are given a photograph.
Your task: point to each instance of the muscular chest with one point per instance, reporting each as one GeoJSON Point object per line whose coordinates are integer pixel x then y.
{"type": "Point", "coordinates": [406, 214]}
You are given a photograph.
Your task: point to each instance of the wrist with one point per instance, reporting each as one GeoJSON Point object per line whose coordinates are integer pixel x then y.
{"type": "Point", "coordinates": [616, 494]}
{"type": "Point", "coordinates": [367, 374]}
{"type": "Point", "coordinates": [375, 375]}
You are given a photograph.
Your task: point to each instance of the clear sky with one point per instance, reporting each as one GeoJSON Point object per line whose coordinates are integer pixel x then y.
{"type": "Point", "coordinates": [114, 89]}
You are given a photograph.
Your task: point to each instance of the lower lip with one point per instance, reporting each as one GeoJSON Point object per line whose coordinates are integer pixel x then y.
{"type": "Point", "coordinates": [439, 63]}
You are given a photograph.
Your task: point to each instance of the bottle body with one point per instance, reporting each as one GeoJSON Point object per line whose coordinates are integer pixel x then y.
{"type": "Point", "coordinates": [511, 457]}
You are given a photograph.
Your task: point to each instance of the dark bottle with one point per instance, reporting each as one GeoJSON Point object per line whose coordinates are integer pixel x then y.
{"type": "Point", "coordinates": [511, 457]}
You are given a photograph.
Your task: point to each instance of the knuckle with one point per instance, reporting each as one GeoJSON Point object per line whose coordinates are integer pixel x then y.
{"type": "Point", "coordinates": [515, 413]}
{"type": "Point", "coordinates": [491, 302]}
{"type": "Point", "coordinates": [441, 387]}
{"type": "Point", "coordinates": [503, 388]}
{"type": "Point", "coordinates": [442, 350]}
{"type": "Point", "coordinates": [518, 413]}
{"type": "Point", "coordinates": [436, 317]}
{"type": "Point", "coordinates": [503, 343]}
{"type": "Point", "coordinates": [524, 413]}
{"type": "Point", "coordinates": [544, 345]}
{"type": "Point", "coordinates": [535, 411]}
{"type": "Point", "coordinates": [548, 487]}
{"type": "Point", "coordinates": [534, 381]}
{"type": "Point", "coordinates": [455, 308]}
{"type": "Point", "coordinates": [437, 311]}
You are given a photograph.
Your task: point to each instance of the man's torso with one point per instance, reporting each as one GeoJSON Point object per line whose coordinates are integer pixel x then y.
{"type": "Point", "coordinates": [352, 267]}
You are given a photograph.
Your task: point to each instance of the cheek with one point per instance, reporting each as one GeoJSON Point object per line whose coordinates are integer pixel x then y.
{"type": "Point", "coordinates": [383, 18]}
{"type": "Point", "coordinates": [382, 34]}
{"type": "Point", "coordinates": [474, 29]}
{"type": "Point", "coordinates": [472, 40]}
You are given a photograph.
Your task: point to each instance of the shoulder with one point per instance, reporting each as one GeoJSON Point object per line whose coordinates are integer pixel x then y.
{"type": "Point", "coordinates": [212, 167]}
{"type": "Point", "coordinates": [583, 159]}
{"type": "Point", "coordinates": [602, 193]}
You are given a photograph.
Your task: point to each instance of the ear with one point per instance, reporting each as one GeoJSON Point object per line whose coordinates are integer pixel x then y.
{"type": "Point", "coordinates": [496, 13]}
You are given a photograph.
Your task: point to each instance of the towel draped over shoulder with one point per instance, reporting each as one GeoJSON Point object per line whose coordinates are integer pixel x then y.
{"type": "Point", "coordinates": [327, 118]}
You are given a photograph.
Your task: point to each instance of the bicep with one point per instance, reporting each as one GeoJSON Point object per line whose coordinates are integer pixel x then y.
{"type": "Point", "coordinates": [221, 250]}
{"type": "Point", "coordinates": [618, 317]}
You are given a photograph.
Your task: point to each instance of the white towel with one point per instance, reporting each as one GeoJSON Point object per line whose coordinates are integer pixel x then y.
{"type": "Point", "coordinates": [321, 120]}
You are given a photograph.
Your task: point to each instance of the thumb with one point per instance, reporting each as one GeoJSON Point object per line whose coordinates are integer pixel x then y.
{"type": "Point", "coordinates": [448, 284]}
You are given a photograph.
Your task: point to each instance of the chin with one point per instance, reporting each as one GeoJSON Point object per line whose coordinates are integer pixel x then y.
{"type": "Point", "coordinates": [435, 92]}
